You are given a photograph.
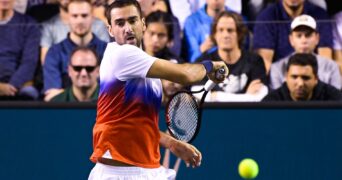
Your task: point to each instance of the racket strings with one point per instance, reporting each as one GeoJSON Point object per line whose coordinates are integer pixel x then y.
{"type": "Point", "coordinates": [183, 116]}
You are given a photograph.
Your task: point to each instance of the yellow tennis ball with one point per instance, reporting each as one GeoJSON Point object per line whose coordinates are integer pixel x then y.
{"type": "Point", "coordinates": [248, 168]}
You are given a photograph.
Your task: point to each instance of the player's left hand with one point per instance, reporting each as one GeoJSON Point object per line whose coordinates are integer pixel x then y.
{"type": "Point", "coordinates": [187, 152]}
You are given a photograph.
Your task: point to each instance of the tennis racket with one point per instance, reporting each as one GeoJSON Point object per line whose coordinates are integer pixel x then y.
{"type": "Point", "coordinates": [183, 111]}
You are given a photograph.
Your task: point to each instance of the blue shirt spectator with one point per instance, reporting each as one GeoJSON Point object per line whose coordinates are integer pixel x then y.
{"type": "Point", "coordinates": [197, 31]}
{"type": "Point", "coordinates": [56, 63]}
{"type": "Point", "coordinates": [19, 49]}
{"type": "Point", "coordinates": [273, 27]}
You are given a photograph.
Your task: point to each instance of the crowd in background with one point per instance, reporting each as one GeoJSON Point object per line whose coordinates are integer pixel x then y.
{"type": "Point", "coordinates": [276, 50]}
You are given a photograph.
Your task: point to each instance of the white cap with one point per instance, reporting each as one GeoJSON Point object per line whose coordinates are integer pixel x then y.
{"type": "Point", "coordinates": [304, 20]}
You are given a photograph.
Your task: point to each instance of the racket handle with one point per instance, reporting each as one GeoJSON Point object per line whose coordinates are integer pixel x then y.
{"type": "Point", "coordinates": [209, 85]}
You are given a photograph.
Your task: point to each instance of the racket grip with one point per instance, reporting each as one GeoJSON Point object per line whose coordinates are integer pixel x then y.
{"type": "Point", "coordinates": [209, 85]}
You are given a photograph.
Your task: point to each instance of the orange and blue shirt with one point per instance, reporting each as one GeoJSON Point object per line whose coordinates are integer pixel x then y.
{"type": "Point", "coordinates": [127, 108]}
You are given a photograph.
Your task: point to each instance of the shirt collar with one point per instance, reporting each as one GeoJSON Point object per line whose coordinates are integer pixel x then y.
{"type": "Point", "coordinates": [284, 14]}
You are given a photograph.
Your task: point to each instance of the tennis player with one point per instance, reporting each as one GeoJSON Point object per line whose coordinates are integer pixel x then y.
{"type": "Point", "coordinates": [126, 137]}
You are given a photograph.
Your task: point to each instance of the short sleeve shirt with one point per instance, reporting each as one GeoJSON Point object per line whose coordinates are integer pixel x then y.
{"type": "Point", "coordinates": [128, 107]}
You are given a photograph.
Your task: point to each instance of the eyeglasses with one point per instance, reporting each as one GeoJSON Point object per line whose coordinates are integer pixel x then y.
{"type": "Point", "coordinates": [89, 69]}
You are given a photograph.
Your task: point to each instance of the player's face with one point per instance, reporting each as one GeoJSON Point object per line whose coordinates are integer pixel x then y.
{"type": "Point", "coordinates": [304, 41]}
{"type": "Point", "coordinates": [226, 36]}
{"type": "Point", "coordinates": [155, 37]}
{"type": "Point", "coordinates": [127, 26]}
{"type": "Point", "coordinates": [80, 18]}
{"type": "Point", "coordinates": [81, 77]}
{"type": "Point", "coordinates": [301, 81]}
{"type": "Point", "coordinates": [6, 4]}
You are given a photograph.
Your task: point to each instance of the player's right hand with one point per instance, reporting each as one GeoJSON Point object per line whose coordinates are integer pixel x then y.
{"type": "Point", "coordinates": [214, 75]}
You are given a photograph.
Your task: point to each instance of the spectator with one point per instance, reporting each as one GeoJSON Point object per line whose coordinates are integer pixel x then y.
{"type": "Point", "coordinates": [273, 27]}
{"type": "Point", "coordinates": [302, 82]}
{"type": "Point", "coordinates": [56, 29]}
{"type": "Point", "coordinates": [304, 39]}
{"type": "Point", "coordinates": [184, 8]}
{"type": "Point", "coordinates": [159, 32]}
{"type": "Point", "coordinates": [146, 6]}
{"type": "Point", "coordinates": [99, 9]}
{"type": "Point", "coordinates": [197, 28]}
{"type": "Point", "coordinates": [176, 44]}
{"type": "Point", "coordinates": [247, 75]}
{"type": "Point", "coordinates": [84, 73]}
{"type": "Point", "coordinates": [19, 53]}
{"type": "Point", "coordinates": [57, 59]}
{"type": "Point", "coordinates": [251, 8]}
{"type": "Point", "coordinates": [337, 34]}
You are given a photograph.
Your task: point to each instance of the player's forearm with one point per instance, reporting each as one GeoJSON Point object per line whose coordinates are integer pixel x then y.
{"type": "Point", "coordinates": [180, 73]}
{"type": "Point", "coordinates": [166, 140]}
{"type": "Point", "coordinates": [195, 72]}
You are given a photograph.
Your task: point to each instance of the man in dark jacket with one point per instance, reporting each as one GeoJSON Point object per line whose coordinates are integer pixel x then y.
{"type": "Point", "coordinates": [302, 83]}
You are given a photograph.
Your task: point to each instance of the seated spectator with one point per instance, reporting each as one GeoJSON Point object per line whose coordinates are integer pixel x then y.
{"type": "Point", "coordinates": [197, 29]}
{"type": "Point", "coordinates": [19, 53]}
{"type": "Point", "coordinates": [337, 34]}
{"type": "Point", "coordinates": [184, 8]}
{"type": "Point", "coordinates": [83, 70]}
{"type": "Point", "coordinates": [99, 9]}
{"type": "Point", "coordinates": [302, 82]}
{"type": "Point", "coordinates": [56, 29]}
{"type": "Point", "coordinates": [146, 6]}
{"type": "Point", "coordinates": [251, 8]}
{"type": "Point", "coordinates": [57, 59]}
{"type": "Point", "coordinates": [176, 44]}
{"type": "Point", "coordinates": [273, 27]}
{"type": "Point", "coordinates": [304, 39]}
{"type": "Point", "coordinates": [159, 32]}
{"type": "Point", "coordinates": [247, 75]}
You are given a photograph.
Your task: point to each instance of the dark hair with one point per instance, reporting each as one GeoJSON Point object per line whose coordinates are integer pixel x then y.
{"type": "Point", "coordinates": [305, 29]}
{"type": "Point", "coordinates": [241, 29]}
{"type": "Point", "coordinates": [303, 59]}
{"type": "Point", "coordinates": [121, 4]}
{"type": "Point", "coordinates": [163, 18]}
{"type": "Point", "coordinates": [85, 49]}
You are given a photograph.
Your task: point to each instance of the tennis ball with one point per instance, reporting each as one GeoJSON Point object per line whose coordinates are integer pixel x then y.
{"type": "Point", "coordinates": [248, 168]}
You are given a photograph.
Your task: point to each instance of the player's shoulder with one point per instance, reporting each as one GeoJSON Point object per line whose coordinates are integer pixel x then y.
{"type": "Point", "coordinates": [125, 48]}
{"type": "Point", "coordinates": [121, 53]}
